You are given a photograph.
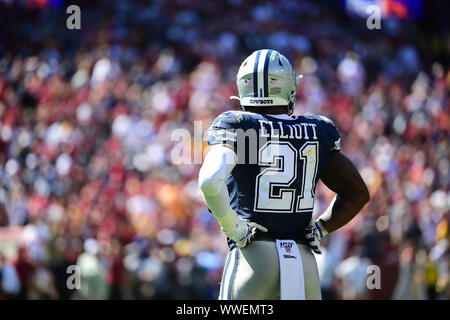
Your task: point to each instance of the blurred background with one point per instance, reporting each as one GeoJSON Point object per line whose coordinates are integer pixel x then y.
{"type": "Point", "coordinates": [86, 117]}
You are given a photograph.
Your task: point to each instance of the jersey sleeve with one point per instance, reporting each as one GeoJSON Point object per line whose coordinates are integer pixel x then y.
{"type": "Point", "coordinates": [223, 129]}
{"type": "Point", "coordinates": [333, 138]}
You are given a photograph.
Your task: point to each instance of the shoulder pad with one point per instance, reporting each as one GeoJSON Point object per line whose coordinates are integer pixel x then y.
{"type": "Point", "coordinates": [228, 120]}
{"type": "Point", "coordinates": [332, 133]}
{"type": "Point", "coordinates": [223, 128]}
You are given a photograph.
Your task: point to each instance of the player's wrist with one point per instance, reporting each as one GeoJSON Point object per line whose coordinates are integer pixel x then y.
{"type": "Point", "coordinates": [322, 230]}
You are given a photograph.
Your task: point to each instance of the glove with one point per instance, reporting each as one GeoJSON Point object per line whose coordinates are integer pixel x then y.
{"type": "Point", "coordinates": [313, 233]}
{"type": "Point", "coordinates": [243, 231]}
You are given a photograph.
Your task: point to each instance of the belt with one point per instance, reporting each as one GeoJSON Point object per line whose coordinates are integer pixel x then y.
{"type": "Point", "coordinates": [273, 240]}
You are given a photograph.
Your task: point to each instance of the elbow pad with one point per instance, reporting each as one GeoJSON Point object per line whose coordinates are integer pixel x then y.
{"type": "Point", "coordinates": [218, 164]}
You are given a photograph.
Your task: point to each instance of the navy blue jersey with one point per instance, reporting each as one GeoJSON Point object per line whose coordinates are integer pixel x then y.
{"type": "Point", "coordinates": [279, 164]}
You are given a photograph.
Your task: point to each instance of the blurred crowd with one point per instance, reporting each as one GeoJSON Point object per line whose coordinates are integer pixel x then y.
{"type": "Point", "coordinates": [86, 123]}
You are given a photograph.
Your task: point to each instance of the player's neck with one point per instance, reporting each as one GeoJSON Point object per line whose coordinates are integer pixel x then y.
{"type": "Point", "coordinates": [278, 110]}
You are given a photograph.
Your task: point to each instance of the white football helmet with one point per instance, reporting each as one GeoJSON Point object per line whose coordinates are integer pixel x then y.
{"type": "Point", "coordinates": [266, 78]}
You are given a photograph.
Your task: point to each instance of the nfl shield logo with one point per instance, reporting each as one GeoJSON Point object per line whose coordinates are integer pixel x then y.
{"type": "Point", "coordinates": [247, 82]}
{"type": "Point", "coordinates": [286, 246]}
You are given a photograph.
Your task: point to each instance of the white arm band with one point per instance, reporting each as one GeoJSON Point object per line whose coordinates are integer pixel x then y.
{"type": "Point", "coordinates": [217, 166]}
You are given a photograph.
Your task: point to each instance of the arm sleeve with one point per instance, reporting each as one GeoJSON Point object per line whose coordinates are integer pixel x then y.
{"type": "Point", "coordinates": [217, 166]}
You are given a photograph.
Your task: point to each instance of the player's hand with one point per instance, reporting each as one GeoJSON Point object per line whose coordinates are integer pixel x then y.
{"type": "Point", "coordinates": [244, 231]}
{"type": "Point", "coordinates": [313, 234]}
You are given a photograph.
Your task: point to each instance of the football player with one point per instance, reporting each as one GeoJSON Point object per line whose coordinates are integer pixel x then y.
{"type": "Point", "coordinates": [259, 177]}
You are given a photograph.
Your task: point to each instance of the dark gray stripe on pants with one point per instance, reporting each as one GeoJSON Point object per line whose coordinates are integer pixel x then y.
{"type": "Point", "coordinates": [224, 275]}
{"type": "Point", "coordinates": [233, 274]}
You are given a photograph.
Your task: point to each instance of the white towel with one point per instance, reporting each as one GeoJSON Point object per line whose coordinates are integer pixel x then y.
{"type": "Point", "coordinates": [292, 283]}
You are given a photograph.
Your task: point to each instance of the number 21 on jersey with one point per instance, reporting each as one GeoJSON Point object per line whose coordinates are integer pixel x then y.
{"type": "Point", "coordinates": [281, 160]}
